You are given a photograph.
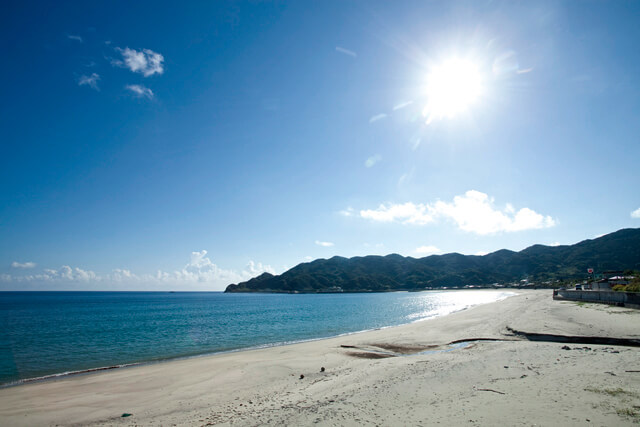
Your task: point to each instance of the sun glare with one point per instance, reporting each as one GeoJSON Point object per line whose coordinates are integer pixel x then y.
{"type": "Point", "coordinates": [452, 87]}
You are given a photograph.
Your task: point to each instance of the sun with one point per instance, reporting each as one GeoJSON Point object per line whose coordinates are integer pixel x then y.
{"type": "Point", "coordinates": [451, 88]}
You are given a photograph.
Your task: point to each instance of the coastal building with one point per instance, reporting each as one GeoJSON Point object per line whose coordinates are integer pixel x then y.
{"type": "Point", "coordinates": [600, 285]}
{"type": "Point", "coordinates": [608, 281]}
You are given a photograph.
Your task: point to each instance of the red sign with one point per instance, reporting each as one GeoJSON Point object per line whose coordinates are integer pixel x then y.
{"type": "Point", "coordinates": [590, 270]}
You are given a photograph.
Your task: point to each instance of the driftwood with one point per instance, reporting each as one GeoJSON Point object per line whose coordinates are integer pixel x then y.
{"type": "Point", "coordinates": [488, 389]}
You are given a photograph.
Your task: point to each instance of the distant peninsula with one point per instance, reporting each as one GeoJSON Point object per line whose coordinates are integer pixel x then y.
{"type": "Point", "coordinates": [538, 264]}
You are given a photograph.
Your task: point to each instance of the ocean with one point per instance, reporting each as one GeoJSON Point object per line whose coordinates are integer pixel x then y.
{"type": "Point", "coordinates": [49, 334]}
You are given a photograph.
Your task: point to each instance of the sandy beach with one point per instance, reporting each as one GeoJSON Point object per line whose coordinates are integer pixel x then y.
{"type": "Point", "coordinates": [406, 375]}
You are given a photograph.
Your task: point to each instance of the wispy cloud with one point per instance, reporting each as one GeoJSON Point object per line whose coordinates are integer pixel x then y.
{"type": "Point", "coordinates": [524, 71]}
{"type": "Point", "coordinates": [29, 264]}
{"type": "Point", "coordinates": [91, 81]}
{"type": "Point", "coordinates": [371, 161]}
{"type": "Point", "coordinates": [346, 51]}
{"type": "Point", "coordinates": [347, 212]}
{"type": "Point", "coordinates": [406, 177]}
{"type": "Point", "coordinates": [415, 142]}
{"type": "Point", "coordinates": [324, 244]}
{"type": "Point", "coordinates": [402, 105]}
{"type": "Point", "coordinates": [473, 211]}
{"type": "Point", "coordinates": [140, 91]}
{"type": "Point", "coordinates": [373, 245]}
{"type": "Point", "coordinates": [76, 38]}
{"type": "Point", "coordinates": [377, 117]}
{"type": "Point", "coordinates": [145, 61]}
{"type": "Point", "coordinates": [428, 250]}
{"type": "Point", "coordinates": [636, 213]}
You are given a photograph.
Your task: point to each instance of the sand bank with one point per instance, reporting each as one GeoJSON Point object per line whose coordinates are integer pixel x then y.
{"type": "Point", "coordinates": [406, 375]}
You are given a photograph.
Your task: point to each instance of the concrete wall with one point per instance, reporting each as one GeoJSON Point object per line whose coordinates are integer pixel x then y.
{"type": "Point", "coordinates": [627, 299]}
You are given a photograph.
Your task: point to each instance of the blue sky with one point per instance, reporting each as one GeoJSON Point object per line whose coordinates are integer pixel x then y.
{"type": "Point", "coordinates": [153, 145]}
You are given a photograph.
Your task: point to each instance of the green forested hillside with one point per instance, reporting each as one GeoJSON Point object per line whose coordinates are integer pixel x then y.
{"type": "Point", "coordinates": [615, 251]}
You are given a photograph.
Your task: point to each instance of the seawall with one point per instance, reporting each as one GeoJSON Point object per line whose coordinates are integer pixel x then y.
{"type": "Point", "coordinates": [625, 299]}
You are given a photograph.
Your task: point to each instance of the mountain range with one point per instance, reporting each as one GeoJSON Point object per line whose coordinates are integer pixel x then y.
{"type": "Point", "coordinates": [538, 263]}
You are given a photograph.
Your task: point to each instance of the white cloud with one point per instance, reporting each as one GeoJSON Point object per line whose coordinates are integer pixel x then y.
{"type": "Point", "coordinates": [199, 260]}
{"type": "Point", "coordinates": [76, 38]}
{"type": "Point", "coordinates": [73, 274]}
{"type": "Point", "coordinates": [91, 81]}
{"type": "Point", "coordinates": [481, 253]}
{"type": "Point", "coordinates": [257, 268]}
{"type": "Point", "coordinates": [406, 213]}
{"type": "Point", "coordinates": [145, 61]}
{"type": "Point", "coordinates": [428, 250]}
{"type": "Point", "coordinates": [201, 269]}
{"type": "Point", "coordinates": [324, 244]}
{"type": "Point", "coordinates": [140, 91]}
{"type": "Point", "coordinates": [473, 212]}
{"type": "Point", "coordinates": [29, 264]}
{"type": "Point", "coordinates": [123, 275]}
{"type": "Point", "coordinates": [636, 213]}
{"type": "Point", "coordinates": [64, 273]}
{"type": "Point", "coordinates": [377, 117]}
{"type": "Point", "coordinates": [199, 272]}
{"type": "Point", "coordinates": [346, 51]}
{"type": "Point", "coordinates": [371, 161]}
{"type": "Point", "coordinates": [554, 244]}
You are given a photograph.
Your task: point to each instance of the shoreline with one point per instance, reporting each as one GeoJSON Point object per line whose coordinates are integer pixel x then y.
{"type": "Point", "coordinates": [74, 373]}
{"type": "Point", "coordinates": [505, 379]}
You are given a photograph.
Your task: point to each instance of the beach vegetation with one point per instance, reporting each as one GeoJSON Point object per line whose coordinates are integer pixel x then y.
{"type": "Point", "coordinates": [615, 392]}
{"type": "Point", "coordinates": [634, 285]}
{"type": "Point", "coordinates": [629, 412]}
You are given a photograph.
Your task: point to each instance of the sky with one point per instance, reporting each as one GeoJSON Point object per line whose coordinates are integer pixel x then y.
{"type": "Point", "coordinates": [187, 146]}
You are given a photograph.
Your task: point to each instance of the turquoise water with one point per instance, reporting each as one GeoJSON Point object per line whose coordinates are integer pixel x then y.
{"type": "Point", "coordinates": [51, 333]}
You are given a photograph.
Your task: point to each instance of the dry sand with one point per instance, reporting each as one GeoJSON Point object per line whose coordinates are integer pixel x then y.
{"type": "Point", "coordinates": [376, 377]}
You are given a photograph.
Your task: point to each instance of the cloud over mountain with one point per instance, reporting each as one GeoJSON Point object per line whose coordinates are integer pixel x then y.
{"type": "Point", "coordinates": [473, 211]}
